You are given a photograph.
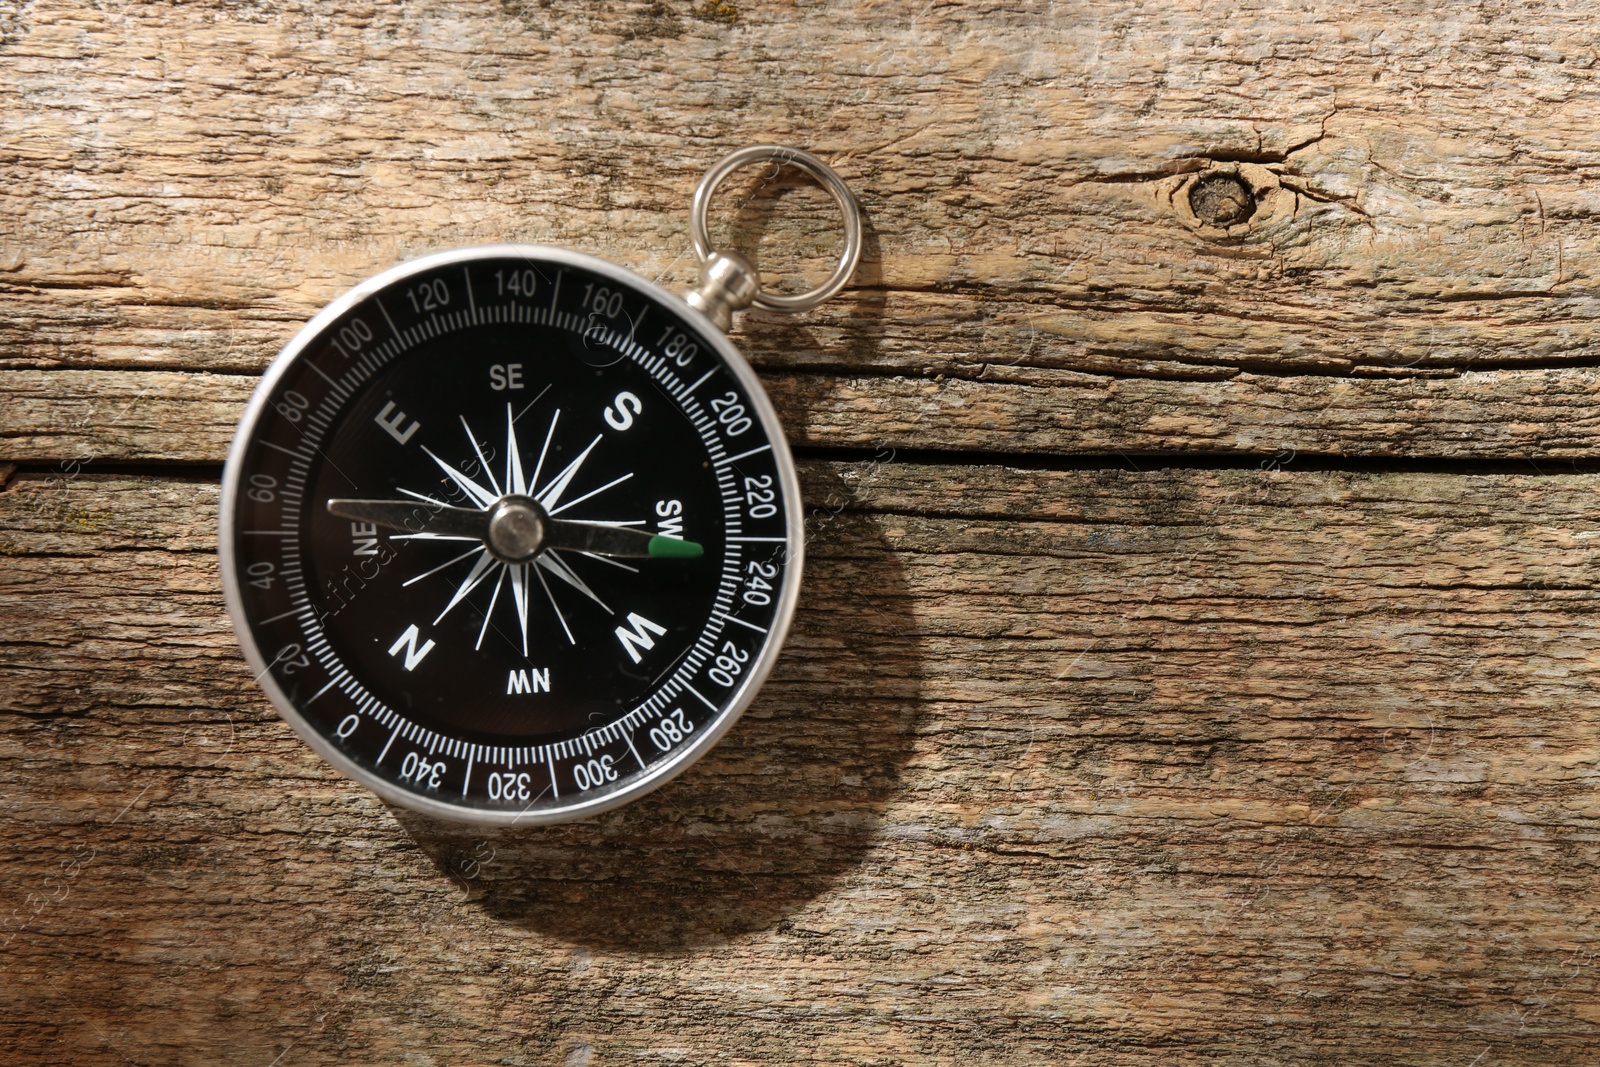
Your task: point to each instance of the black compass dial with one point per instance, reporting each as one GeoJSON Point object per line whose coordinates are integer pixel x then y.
{"type": "Point", "coordinates": [510, 534]}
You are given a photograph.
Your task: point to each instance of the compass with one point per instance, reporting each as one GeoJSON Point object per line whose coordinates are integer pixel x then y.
{"type": "Point", "coordinates": [510, 534]}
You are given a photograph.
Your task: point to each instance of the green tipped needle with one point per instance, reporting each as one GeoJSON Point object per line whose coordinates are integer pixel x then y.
{"type": "Point", "coordinates": [672, 548]}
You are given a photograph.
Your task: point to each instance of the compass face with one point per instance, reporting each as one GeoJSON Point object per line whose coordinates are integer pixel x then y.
{"type": "Point", "coordinates": [510, 534]}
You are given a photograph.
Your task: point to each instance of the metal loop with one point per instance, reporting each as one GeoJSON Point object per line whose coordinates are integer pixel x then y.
{"type": "Point", "coordinates": [817, 169]}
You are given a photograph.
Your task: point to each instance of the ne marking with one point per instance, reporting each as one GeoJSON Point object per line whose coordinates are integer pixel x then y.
{"type": "Point", "coordinates": [741, 622]}
{"type": "Point", "coordinates": [758, 539]}
{"type": "Point", "coordinates": [743, 455]}
{"type": "Point", "coordinates": [473, 304]}
{"type": "Point", "coordinates": [628, 737]}
{"type": "Point", "coordinates": [702, 379]}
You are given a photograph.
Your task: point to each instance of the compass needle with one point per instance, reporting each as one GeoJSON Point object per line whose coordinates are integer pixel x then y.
{"type": "Point", "coordinates": [425, 498]}
{"type": "Point", "coordinates": [616, 539]}
{"type": "Point", "coordinates": [613, 562]}
{"type": "Point", "coordinates": [519, 591]}
{"type": "Point", "coordinates": [346, 587]}
{"type": "Point", "coordinates": [439, 519]}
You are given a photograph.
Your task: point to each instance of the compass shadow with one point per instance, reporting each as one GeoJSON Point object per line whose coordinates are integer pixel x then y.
{"type": "Point", "coordinates": [788, 802]}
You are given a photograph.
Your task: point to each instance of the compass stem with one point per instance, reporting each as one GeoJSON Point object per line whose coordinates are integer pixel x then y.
{"type": "Point", "coordinates": [728, 282]}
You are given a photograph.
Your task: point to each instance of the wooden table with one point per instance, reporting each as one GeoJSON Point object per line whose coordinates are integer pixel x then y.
{"type": "Point", "coordinates": [1196, 661]}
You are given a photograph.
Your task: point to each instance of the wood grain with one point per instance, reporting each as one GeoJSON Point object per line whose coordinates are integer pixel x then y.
{"type": "Point", "coordinates": [1139, 766]}
{"type": "Point", "coordinates": [1145, 764]}
{"type": "Point", "coordinates": [61, 417]}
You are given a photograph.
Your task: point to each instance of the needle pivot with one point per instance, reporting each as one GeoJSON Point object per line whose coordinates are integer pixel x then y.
{"type": "Point", "coordinates": [515, 528]}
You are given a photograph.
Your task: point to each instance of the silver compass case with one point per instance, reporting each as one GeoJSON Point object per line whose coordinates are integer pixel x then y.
{"type": "Point", "coordinates": [512, 535]}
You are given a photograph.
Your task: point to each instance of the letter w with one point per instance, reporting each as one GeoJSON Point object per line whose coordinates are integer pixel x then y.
{"type": "Point", "coordinates": [635, 638]}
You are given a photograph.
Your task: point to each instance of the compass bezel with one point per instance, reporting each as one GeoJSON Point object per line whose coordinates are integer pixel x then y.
{"type": "Point", "coordinates": [590, 803]}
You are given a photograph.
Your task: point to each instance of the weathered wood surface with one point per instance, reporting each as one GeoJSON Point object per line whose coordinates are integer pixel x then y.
{"type": "Point", "coordinates": [1232, 765]}
{"type": "Point", "coordinates": [62, 417]}
{"type": "Point", "coordinates": [1107, 766]}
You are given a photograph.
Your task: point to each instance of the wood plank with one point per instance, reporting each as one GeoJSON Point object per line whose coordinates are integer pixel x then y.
{"type": "Point", "coordinates": [66, 417]}
{"type": "Point", "coordinates": [1419, 181]}
{"type": "Point", "coordinates": [1139, 767]}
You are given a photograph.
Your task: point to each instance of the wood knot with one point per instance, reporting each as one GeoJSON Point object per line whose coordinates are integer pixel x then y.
{"type": "Point", "coordinates": [1221, 200]}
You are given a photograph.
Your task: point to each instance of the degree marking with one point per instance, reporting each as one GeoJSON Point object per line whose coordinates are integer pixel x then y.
{"type": "Point", "coordinates": [324, 375]}
{"type": "Point", "coordinates": [387, 319]}
{"type": "Point", "coordinates": [473, 304]}
{"type": "Point", "coordinates": [741, 622]}
{"type": "Point", "coordinates": [387, 743]}
{"type": "Point", "coordinates": [636, 322]}
{"type": "Point", "coordinates": [280, 448]}
{"type": "Point", "coordinates": [697, 693]}
{"type": "Point", "coordinates": [702, 379]}
{"type": "Point", "coordinates": [318, 693]}
{"type": "Point", "coordinates": [628, 737]}
{"type": "Point", "coordinates": [742, 455]}
{"type": "Point", "coordinates": [283, 615]}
